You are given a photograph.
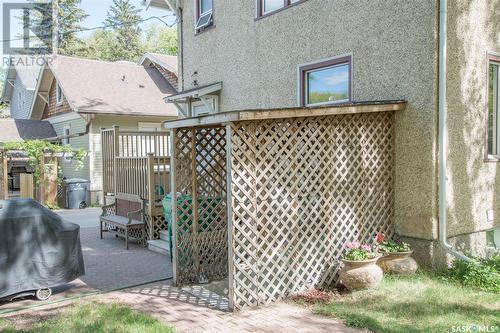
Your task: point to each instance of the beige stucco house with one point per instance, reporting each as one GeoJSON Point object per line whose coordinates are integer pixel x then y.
{"type": "Point", "coordinates": [79, 97]}
{"type": "Point", "coordinates": [266, 54]}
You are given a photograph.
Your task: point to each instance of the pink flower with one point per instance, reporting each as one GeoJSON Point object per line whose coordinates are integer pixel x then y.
{"type": "Point", "coordinates": [380, 237]}
{"type": "Point", "coordinates": [366, 247]}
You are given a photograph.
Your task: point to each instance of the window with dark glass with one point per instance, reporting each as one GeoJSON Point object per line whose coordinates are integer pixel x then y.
{"type": "Point", "coordinates": [493, 126]}
{"type": "Point", "coordinates": [326, 82]}
{"type": "Point", "coordinates": [204, 14]}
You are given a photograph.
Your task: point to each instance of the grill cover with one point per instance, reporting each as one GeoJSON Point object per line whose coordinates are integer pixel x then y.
{"type": "Point", "coordinates": [38, 249]}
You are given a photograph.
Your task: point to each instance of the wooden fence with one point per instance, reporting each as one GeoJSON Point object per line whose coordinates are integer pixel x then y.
{"type": "Point", "coordinates": [134, 145]}
{"type": "Point", "coordinates": [138, 163]}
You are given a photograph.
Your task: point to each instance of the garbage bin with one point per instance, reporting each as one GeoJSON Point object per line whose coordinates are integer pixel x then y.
{"type": "Point", "coordinates": [77, 193]}
{"type": "Point", "coordinates": [207, 207]}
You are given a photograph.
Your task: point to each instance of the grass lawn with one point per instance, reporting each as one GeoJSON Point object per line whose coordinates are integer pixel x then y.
{"type": "Point", "coordinates": [95, 318]}
{"type": "Point", "coordinates": [417, 304]}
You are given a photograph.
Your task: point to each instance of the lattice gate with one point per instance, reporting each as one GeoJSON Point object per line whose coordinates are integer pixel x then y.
{"type": "Point", "coordinates": [299, 189]}
{"type": "Point", "coordinates": [200, 214]}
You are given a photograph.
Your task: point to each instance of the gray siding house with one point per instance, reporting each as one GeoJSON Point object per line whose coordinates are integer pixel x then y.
{"type": "Point", "coordinates": [268, 54]}
{"type": "Point", "coordinates": [19, 88]}
{"type": "Point", "coordinates": [81, 96]}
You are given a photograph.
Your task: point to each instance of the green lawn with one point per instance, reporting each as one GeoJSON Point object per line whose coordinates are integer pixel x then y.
{"type": "Point", "coordinates": [417, 304]}
{"type": "Point", "coordinates": [95, 318]}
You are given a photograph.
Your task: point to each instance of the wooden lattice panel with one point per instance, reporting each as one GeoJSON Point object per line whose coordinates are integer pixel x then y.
{"type": "Point", "coordinates": [155, 222]}
{"type": "Point", "coordinates": [200, 156]}
{"type": "Point", "coordinates": [301, 189]}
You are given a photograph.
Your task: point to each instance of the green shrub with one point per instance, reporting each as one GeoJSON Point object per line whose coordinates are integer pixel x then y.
{"type": "Point", "coordinates": [483, 274]}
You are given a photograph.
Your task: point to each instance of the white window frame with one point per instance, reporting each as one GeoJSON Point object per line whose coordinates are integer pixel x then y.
{"type": "Point", "coordinates": [141, 125]}
{"type": "Point", "coordinates": [302, 77]}
{"type": "Point", "coordinates": [59, 94]}
{"type": "Point", "coordinates": [199, 15]}
{"type": "Point", "coordinates": [67, 129]}
{"type": "Point", "coordinates": [20, 100]}
{"type": "Point", "coordinates": [214, 100]}
{"type": "Point", "coordinates": [494, 155]}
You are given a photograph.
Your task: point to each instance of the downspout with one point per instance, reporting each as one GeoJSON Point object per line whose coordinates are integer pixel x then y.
{"type": "Point", "coordinates": [443, 134]}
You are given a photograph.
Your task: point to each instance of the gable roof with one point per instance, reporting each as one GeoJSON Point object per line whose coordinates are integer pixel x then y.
{"type": "Point", "coordinates": [26, 73]}
{"type": "Point", "coordinates": [100, 87]}
{"type": "Point", "coordinates": [168, 62]}
{"type": "Point", "coordinates": [14, 130]}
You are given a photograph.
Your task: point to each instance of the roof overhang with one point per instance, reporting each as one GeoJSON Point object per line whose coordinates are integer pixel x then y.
{"type": "Point", "coordinates": [261, 114]}
{"type": "Point", "coordinates": [152, 59]}
{"type": "Point", "coordinates": [163, 4]}
{"type": "Point", "coordinates": [195, 93]}
{"type": "Point", "coordinates": [8, 86]}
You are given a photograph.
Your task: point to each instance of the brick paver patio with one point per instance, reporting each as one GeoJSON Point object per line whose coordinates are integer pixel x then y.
{"type": "Point", "coordinates": [192, 314]}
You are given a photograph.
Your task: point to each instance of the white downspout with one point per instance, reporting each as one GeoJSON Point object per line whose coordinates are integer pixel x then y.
{"type": "Point", "coordinates": [443, 134]}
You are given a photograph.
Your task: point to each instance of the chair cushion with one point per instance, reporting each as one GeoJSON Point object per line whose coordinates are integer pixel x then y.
{"type": "Point", "coordinates": [119, 220]}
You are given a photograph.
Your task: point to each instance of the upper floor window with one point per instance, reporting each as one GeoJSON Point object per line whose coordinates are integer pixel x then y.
{"type": "Point", "coordinates": [493, 141]}
{"type": "Point", "coordinates": [265, 7]}
{"type": "Point", "coordinates": [20, 101]}
{"type": "Point", "coordinates": [204, 14]}
{"type": "Point", "coordinates": [66, 134]}
{"type": "Point", "coordinates": [326, 82]}
{"type": "Point", "coordinates": [59, 94]}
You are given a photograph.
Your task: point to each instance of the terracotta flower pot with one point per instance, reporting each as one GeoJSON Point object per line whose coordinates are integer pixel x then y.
{"type": "Point", "coordinates": [361, 274]}
{"type": "Point", "coordinates": [400, 263]}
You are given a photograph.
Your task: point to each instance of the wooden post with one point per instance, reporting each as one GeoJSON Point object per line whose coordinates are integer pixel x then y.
{"type": "Point", "coordinates": [194, 192]}
{"type": "Point", "coordinates": [116, 153]}
{"type": "Point", "coordinates": [174, 207]}
{"type": "Point", "coordinates": [5, 175]}
{"type": "Point", "coordinates": [151, 193]}
{"type": "Point", "coordinates": [229, 207]}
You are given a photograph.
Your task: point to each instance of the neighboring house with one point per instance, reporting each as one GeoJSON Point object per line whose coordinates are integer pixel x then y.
{"type": "Point", "coordinates": [166, 64]}
{"type": "Point", "coordinates": [19, 88]}
{"type": "Point", "coordinates": [267, 54]}
{"type": "Point", "coordinates": [80, 96]}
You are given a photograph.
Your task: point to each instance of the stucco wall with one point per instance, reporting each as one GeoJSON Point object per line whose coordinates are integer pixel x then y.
{"type": "Point", "coordinates": [394, 49]}
{"type": "Point", "coordinates": [474, 186]}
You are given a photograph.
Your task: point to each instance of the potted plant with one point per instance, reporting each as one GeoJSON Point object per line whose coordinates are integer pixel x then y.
{"type": "Point", "coordinates": [360, 269]}
{"type": "Point", "coordinates": [396, 257]}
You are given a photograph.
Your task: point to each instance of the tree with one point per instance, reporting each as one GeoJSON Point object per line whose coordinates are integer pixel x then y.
{"type": "Point", "coordinates": [160, 39]}
{"type": "Point", "coordinates": [68, 21]}
{"type": "Point", "coordinates": [102, 45]}
{"type": "Point", "coordinates": [123, 19]}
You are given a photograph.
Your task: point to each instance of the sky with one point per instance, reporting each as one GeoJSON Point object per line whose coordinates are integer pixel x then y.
{"type": "Point", "coordinates": [96, 9]}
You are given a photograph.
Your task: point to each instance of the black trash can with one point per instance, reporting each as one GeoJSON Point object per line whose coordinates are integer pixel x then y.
{"type": "Point", "coordinates": [77, 193]}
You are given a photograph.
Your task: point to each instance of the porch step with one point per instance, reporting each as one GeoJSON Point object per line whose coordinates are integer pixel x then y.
{"type": "Point", "coordinates": [159, 246]}
{"type": "Point", "coordinates": [164, 235]}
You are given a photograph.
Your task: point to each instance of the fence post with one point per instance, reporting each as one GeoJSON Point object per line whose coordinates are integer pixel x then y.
{"type": "Point", "coordinates": [116, 153]}
{"type": "Point", "coordinates": [151, 193]}
{"type": "Point", "coordinates": [5, 175]}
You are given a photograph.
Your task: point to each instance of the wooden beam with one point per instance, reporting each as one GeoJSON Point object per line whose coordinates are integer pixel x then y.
{"type": "Point", "coordinates": [247, 115]}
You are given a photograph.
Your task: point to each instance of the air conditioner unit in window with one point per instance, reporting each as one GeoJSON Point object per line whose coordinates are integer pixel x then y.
{"type": "Point", "coordinates": [204, 21]}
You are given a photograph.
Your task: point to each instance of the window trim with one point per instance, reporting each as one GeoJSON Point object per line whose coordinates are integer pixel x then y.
{"type": "Point", "coordinates": [491, 57]}
{"type": "Point", "coordinates": [198, 15]}
{"type": "Point", "coordinates": [303, 69]}
{"type": "Point", "coordinates": [286, 4]}
{"type": "Point", "coordinates": [59, 94]}
{"type": "Point", "coordinates": [66, 140]}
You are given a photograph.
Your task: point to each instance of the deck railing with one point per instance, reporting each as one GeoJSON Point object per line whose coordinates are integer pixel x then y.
{"type": "Point", "coordinates": [125, 160]}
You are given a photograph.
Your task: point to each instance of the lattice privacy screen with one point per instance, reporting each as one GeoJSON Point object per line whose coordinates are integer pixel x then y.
{"type": "Point", "coordinates": [200, 156]}
{"type": "Point", "coordinates": [300, 189]}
